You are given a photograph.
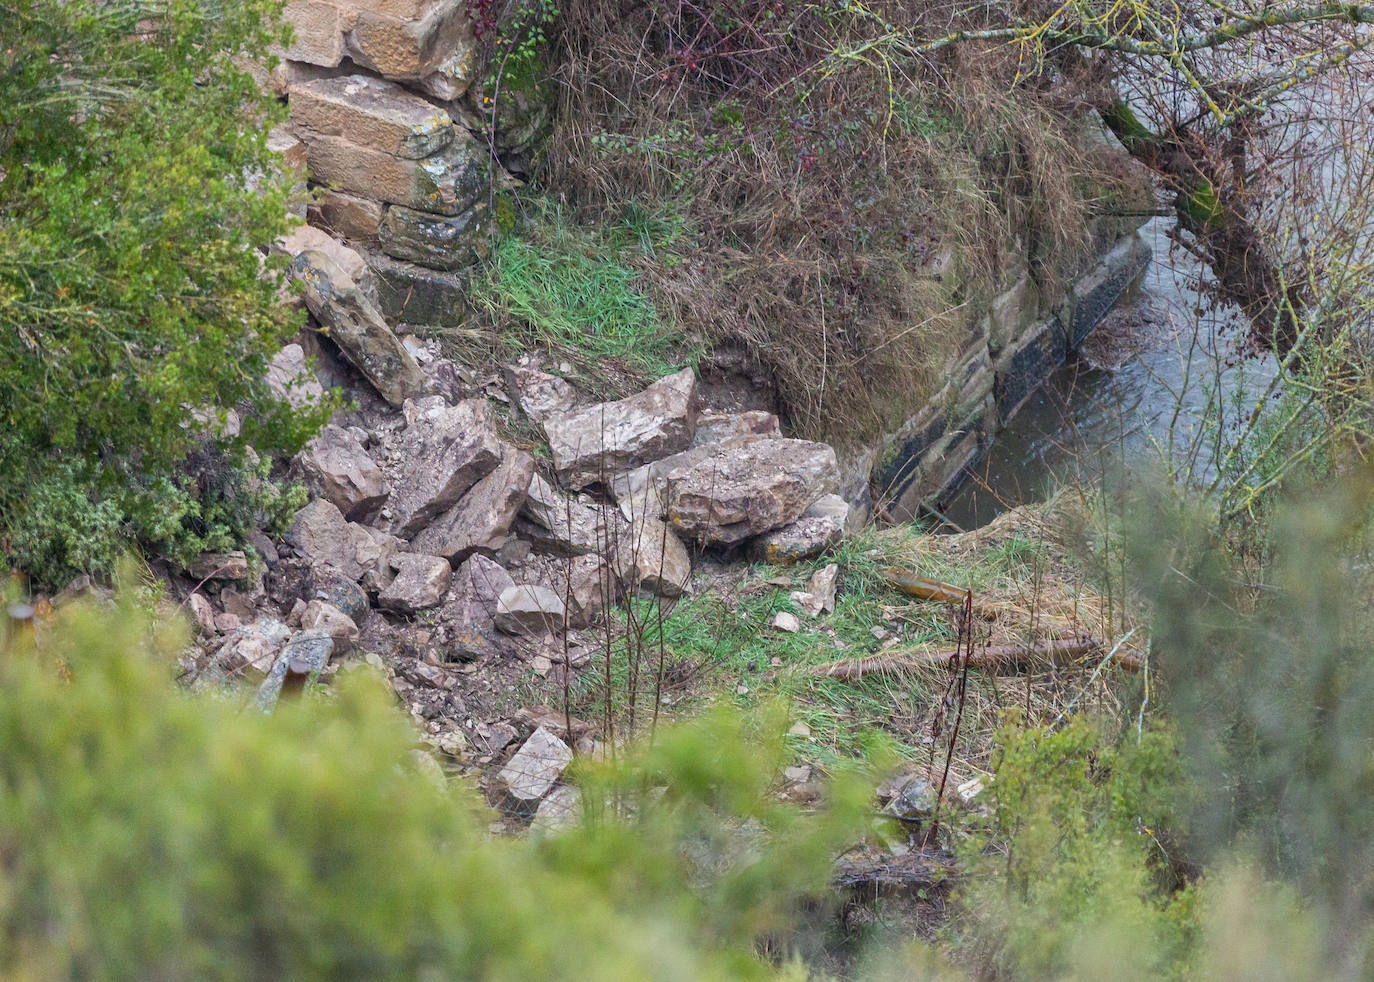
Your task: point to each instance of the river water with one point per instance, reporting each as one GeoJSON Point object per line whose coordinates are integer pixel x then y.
{"type": "Point", "coordinates": [1136, 395]}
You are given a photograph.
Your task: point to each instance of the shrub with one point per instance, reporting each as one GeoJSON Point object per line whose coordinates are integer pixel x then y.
{"type": "Point", "coordinates": [148, 833]}
{"type": "Point", "coordinates": [137, 195]}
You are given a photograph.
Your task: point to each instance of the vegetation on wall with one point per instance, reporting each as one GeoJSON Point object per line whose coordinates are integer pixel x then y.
{"type": "Point", "coordinates": [847, 211]}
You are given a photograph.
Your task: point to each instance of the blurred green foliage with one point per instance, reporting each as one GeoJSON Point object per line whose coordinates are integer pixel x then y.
{"type": "Point", "coordinates": [148, 833]}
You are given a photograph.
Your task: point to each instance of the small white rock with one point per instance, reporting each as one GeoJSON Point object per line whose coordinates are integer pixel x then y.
{"type": "Point", "coordinates": [783, 621]}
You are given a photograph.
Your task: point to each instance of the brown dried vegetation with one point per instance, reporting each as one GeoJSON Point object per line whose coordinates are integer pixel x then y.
{"type": "Point", "coordinates": [848, 211]}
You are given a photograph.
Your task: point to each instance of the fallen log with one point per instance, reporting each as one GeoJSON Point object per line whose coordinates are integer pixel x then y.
{"type": "Point", "coordinates": [923, 587]}
{"type": "Point", "coordinates": [909, 875]}
{"type": "Point", "coordinates": [993, 658]}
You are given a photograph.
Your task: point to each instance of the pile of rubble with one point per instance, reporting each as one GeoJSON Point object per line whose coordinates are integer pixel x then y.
{"type": "Point", "coordinates": [461, 563]}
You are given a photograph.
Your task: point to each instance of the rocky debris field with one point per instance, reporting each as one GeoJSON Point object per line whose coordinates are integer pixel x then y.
{"type": "Point", "coordinates": [472, 565]}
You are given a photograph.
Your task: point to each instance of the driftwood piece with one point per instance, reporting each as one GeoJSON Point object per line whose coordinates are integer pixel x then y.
{"type": "Point", "coordinates": [994, 658]}
{"type": "Point", "coordinates": [906, 874]}
{"type": "Point", "coordinates": [923, 587]}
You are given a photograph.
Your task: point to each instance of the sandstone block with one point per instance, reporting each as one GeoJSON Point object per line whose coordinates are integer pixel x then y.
{"type": "Point", "coordinates": [372, 113]}
{"type": "Point", "coordinates": [411, 294]}
{"type": "Point", "coordinates": [409, 48]}
{"type": "Point", "coordinates": [529, 609]}
{"type": "Point", "coordinates": [345, 215]}
{"type": "Point", "coordinates": [445, 451]}
{"type": "Point", "coordinates": [539, 394]}
{"type": "Point", "coordinates": [438, 241]}
{"type": "Point", "coordinates": [597, 442]}
{"type": "Point", "coordinates": [742, 490]}
{"type": "Point", "coordinates": [338, 469]}
{"type": "Point", "coordinates": [421, 582]}
{"type": "Point", "coordinates": [535, 768]}
{"type": "Point", "coordinates": [650, 557]}
{"type": "Point", "coordinates": [447, 182]}
{"type": "Point", "coordinates": [318, 32]}
{"type": "Point", "coordinates": [357, 327]}
{"type": "Point", "coordinates": [819, 528]}
{"type": "Point", "coordinates": [482, 517]}
{"type": "Point", "coordinates": [324, 617]}
{"type": "Point", "coordinates": [475, 591]}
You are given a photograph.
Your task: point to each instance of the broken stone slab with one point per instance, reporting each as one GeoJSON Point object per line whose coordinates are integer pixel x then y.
{"type": "Point", "coordinates": [254, 647]}
{"type": "Point", "coordinates": [529, 609]}
{"type": "Point", "coordinates": [820, 527]}
{"type": "Point", "coordinates": [786, 622]}
{"type": "Point", "coordinates": [410, 48]}
{"type": "Point", "coordinates": [539, 395]}
{"type": "Point", "coordinates": [305, 237]}
{"type": "Point", "coordinates": [290, 378]}
{"type": "Point", "coordinates": [447, 182]}
{"type": "Point", "coordinates": [555, 524]}
{"type": "Point", "coordinates": [325, 618]}
{"type": "Point", "coordinates": [534, 769]}
{"type": "Point", "coordinates": [475, 593]}
{"type": "Point", "coordinates": [443, 453]}
{"type": "Point", "coordinates": [590, 586]}
{"type": "Point", "coordinates": [202, 612]}
{"type": "Point", "coordinates": [421, 582]}
{"type": "Point", "coordinates": [823, 584]}
{"type": "Point", "coordinates": [742, 490]}
{"type": "Point", "coordinates": [324, 537]}
{"type": "Point", "coordinates": [593, 444]}
{"type": "Point", "coordinates": [445, 242]}
{"type": "Point", "coordinates": [720, 427]}
{"type": "Point", "coordinates": [372, 113]}
{"type": "Point", "coordinates": [650, 557]}
{"type": "Point", "coordinates": [357, 327]}
{"type": "Point", "coordinates": [561, 809]}
{"type": "Point", "coordinates": [338, 468]}
{"type": "Point", "coordinates": [345, 215]}
{"type": "Point", "coordinates": [219, 566]}
{"type": "Point", "coordinates": [482, 518]}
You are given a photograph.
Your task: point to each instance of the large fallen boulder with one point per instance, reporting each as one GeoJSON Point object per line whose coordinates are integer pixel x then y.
{"type": "Point", "coordinates": [534, 769]}
{"type": "Point", "coordinates": [740, 490]}
{"type": "Point", "coordinates": [591, 445]}
{"type": "Point", "coordinates": [357, 327]}
{"type": "Point", "coordinates": [324, 537]}
{"type": "Point", "coordinates": [482, 517]}
{"type": "Point", "coordinates": [529, 609]}
{"type": "Point", "coordinates": [819, 528]}
{"type": "Point", "coordinates": [475, 592]}
{"type": "Point", "coordinates": [650, 557]}
{"type": "Point", "coordinates": [539, 395]}
{"type": "Point", "coordinates": [443, 452]}
{"type": "Point", "coordinates": [338, 468]}
{"type": "Point", "coordinates": [554, 523]}
{"type": "Point", "coordinates": [420, 583]}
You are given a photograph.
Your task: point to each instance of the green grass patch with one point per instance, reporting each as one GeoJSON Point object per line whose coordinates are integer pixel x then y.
{"type": "Point", "coordinates": [575, 292]}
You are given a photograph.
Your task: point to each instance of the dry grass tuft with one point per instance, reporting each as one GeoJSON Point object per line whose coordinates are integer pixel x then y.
{"type": "Point", "coordinates": [850, 207]}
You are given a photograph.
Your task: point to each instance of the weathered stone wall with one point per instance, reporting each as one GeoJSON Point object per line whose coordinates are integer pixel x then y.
{"type": "Point", "coordinates": [1019, 341]}
{"type": "Point", "coordinates": [383, 122]}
